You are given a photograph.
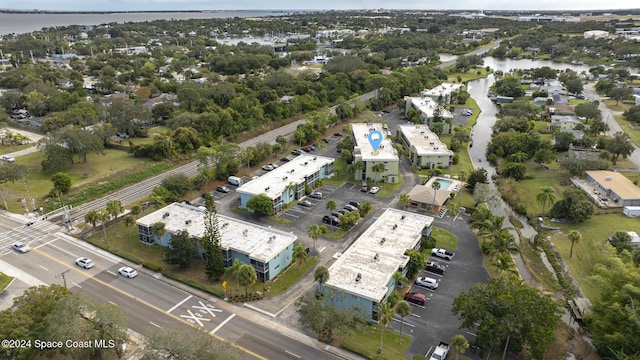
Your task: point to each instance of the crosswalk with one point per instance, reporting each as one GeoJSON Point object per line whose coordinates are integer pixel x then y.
{"type": "Point", "coordinates": [39, 232]}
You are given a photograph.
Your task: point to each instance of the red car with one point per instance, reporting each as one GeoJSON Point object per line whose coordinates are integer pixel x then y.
{"type": "Point", "coordinates": [337, 134]}
{"type": "Point", "coordinates": [415, 298]}
{"type": "Point", "coordinates": [307, 149]}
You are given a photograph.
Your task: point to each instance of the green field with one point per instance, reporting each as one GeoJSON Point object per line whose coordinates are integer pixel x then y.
{"type": "Point", "coordinates": [5, 280]}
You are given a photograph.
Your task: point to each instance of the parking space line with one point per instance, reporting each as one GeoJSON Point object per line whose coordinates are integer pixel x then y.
{"type": "Point", "coordinates": [322, 249]}
{"type": "Point", "coordinates": [404, 323]}
{"type": "Point", "coordinates": [470, 333]}
{"type": "Point", "coordinates": [44, 268]}
{"type": "Point", "coordinates": [287, 214]}
{"type": "Point", "coordinates": [180, 303]}
{"type": "Point", "coordinates": [292, 354]}
{"type": "Point", "coordinates": [416, 315]}
{"type": "Point", "coordinates": [154, 324]}
{"type": "Point", "coordinates": [222, 324]}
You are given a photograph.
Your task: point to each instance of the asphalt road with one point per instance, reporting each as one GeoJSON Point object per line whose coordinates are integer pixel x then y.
{"type": "Point", "coordinates": [147, 301]}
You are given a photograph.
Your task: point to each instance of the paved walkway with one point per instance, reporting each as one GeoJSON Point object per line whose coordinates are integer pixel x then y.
{"type": "Point", "coordinates": [34, 137]}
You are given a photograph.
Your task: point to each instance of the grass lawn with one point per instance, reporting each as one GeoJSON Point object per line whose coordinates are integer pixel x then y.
{"type": "Point", "coordinates": [98, 167]}
{"type": "Point", "coordinates": [472, 74]}
{"type": "Point", "coordinates": [444, 238]}
{"type": "Point", "coordinates": [5, 280]}
{"type": "Point", "coordinates": [633, 130]}
{"type": "Point", "coordinates": [541, 177]}
{"type": "Point", "coordinates": [366, 343]}
{"type": "Point", "coordinates": [151, 132]}
{"type": "Point", "coordinates": [591, 248]}
{"type": "Point", "coordinates": [5, 149]}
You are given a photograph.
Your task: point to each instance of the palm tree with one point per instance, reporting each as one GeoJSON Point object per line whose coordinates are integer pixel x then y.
{"type": "Point", "coordinates": [114, 208]}
{"type": "Point", "coordinates": [321, 275]}
{"type": "Point", "coordinates": [479, 218]}
{"type": "Point", "coordinates": [314, 232]}
{"type": "Point", "coordinates": [92, 217]}
{"type": "Point", "coordinates": [575, 237]}
{"type": "Point", "coordinates": [299, 255]}
{"type": "Point", "coordinates": [331, 205]}
{"type": "Point", "coordinates": [246, 277]}
{"type": "Point", "coordinates": [384, 316]}
{"type": "Point", "coordinates": [400, 279]}
{"type": "Point", "coordinates": [129, 221]}
{"type": "Point", "coordinates": [378, 169]}
{"type": "Point", "coordinates": [158, 229]}
{"type": "Point", "coordinates": [459, 344]}
{"type": "Point", "coordinates": [403, 309]}
{"type": "Point", "coordinates": [435, 186]}
{"type": "Point", "coordinates": [493, 228]}
{"type": "Point", "coordinates": [104, 217]}
{"type": "Point", "coordinates": [233, 272]}
{"type": "Point", "coordinates": [405, 200]}
{"type": "Point", "coordinates": [546, 195]}
{"type": "Point", "coordinates": [135, 210]}
{"type": "Point", "coordinates": [504, 264]}
{"type": "Point", "coordinates": [358, 166]}
{"type": "Point", "coordinates": [505, 244]}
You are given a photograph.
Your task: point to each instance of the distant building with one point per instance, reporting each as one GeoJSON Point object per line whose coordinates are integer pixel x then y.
{"type": "Point", "coordinates": [423, 147]}
{"type": "Point", "coordinates": [564, 122]}
{"type": "Point", "coordinates": [615, 186]}
{"type": "Point", "coordinates": [596, 34]}
{"type": "Point", "coordinates": [362, 277]}
{"type": "Point", "coordinates": [426, 197]}
{"type": "Point", "coordinates": [363, 151]}
{"type": "Point", "coordinates": [445, 92]}
{"type": "Point", "coordinates": [269, 251]}
{"type": "Point", "coordinates": [287, 182]}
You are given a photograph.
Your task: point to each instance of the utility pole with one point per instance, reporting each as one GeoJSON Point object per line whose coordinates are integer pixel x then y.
{"type": "Point", "coordinates": [62, 275]}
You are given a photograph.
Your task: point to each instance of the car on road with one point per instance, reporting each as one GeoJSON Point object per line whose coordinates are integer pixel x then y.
{"type": "Point", "coordinates": [415, 298]}
{"type": "Point", "coordinates": [316, 195]}
{"type": "Point", "coordinates": [127, 272]}
{"type": "Point", "coordinates": [223, 189]}
{"type": "Point", "coordinates": [331, 220]}
{"type": "Point", "coordinates": [427, 282]}
{"type": "Point", "coordinates": [85, 262]}
{"type": "Point", "coordinates": [349, 207]}
{"type": "Point", "coordinates": [8, 158]}
{"type": "Point", "coordinates": [268, 167]}
{"type": "Point", "coordinates": [386, 111]}
{"type": "Point", "coordinates": [20, 247]}
{"type": "Point", "coordinates": [305, 203]}
{"type": "Point", "coordinates": [374, 190]}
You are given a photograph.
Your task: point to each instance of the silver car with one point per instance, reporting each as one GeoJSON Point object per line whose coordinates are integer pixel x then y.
{"type": "Point", "coordinates": [20, 247]}
{"type": "Point", "coordinates": [85, 262]}
{"type": "Point", "coordinates": [427, 282]}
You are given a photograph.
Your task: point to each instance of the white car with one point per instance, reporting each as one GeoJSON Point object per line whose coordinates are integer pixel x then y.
{"type": "Point", "coordinates": [8, 158]}
{"type": "Point", "coordinates": [374, 190]}
{"type": "Point", "coordinates": [20, 247]}
{"type": "Point", "coordinates": [268, 167]}
{"type": "Point", "coordinates": [128, 272]}
{"type": "Point", "coordinates": [427, 282]}
{"type": "Point", "coordinates": [85, 262]}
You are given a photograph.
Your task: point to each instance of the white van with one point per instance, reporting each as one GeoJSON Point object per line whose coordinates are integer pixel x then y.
{"type": "Point", "coordinates": [234, 180]}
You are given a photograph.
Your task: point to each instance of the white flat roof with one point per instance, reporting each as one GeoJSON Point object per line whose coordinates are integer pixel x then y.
{"type": "Point", "coordinates": [259, 242]}
{"type": "Point", "coordinates": [295, 171]}
{"type": "Point", "coordinates": [376, 260]}
{"type": "Point", "coordinates": [386, 151]}
{"type": "Point", "coordinates": [442, 89]}
{"type": "Point", "coordinates": [424, 140]}
{"type": "Point", "coordinates": [428, 106]}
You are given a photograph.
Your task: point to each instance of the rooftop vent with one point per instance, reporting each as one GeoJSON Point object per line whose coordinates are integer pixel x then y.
{"type": "Point", "coordinates": [285, 178]}
{"type": "Point", "coordinates": [382, 240]}
{"type": "Point", "coordinates": [358, 277]}
{"type": "Point", "coordinates": [271, 238]}
{"type": "Point", "coordinates": [395, 226]}
{"type": "Point", "coordinates": [376, 256]}
{"type": "Point", "coordinates": [245, 232]}
{"type": "Point", "coordinates": [292, 170]}
{"type": "Point", "coordinates": [267, 188]}
{"type": "Point", "coordinates": [187, 222]}
{"type": "Point", "coordinates": [315, 158]}
{"type": "Point", "coordinates": [403, 217]}
{"type": "Point", "coordinates": [165, 215]}
{"type": "Point", "coordinates": [607, 178]}
{"type": "Point", "coordinates": [306, 162]}
{"type": "Point", "coordinates": [224, 225]}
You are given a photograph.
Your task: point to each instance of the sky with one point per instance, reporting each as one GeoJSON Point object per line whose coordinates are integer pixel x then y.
{"type": "Point", "coordinates": [140, 5]}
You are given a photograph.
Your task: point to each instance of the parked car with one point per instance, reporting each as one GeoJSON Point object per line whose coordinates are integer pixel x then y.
{"type": "Point", "coordinates": [443, 254]}
{"type": "Point", "coordinates": [350, 208]}
{"type": "Point", "coordinates": [8, 158]}
{"type": "Point", "coordinates": [312, 147]}
{"type": "Point", "coordinates": [127, 272]}
{"type": "Point", "coordinates": [374, 190]}
{"type": "Point", "coordinates": [364, 188]}
{"type": "Point", "coordinates": [316, 195]}
{"type": "Point", "coordinates": [223, 189]}
{"type": "Point", "coordinates": [336, 214]}
{"type": "Point", "coordinates": [297, 152]}
{"type": "Point", "coordinates": [307, 149]}
{"type": "Point", "coordinates": [427, 282]}
{"type": "Point", "coordinates": [354, 203]}
{"type": "Point", "coordinates": [337, 134]}
{"type": "Point", "coordinates": [435, 267]}
{"type": "Point", "coordinates": [85, 262]}
{"type": "Point", "coordinates": [305, 203]}
{"type": "Point", "coordinates": [285, 159]}
{"type": "Point", "coordinates": [580, 97]}
{"type": "Point", "coordinates": [386, 111]}
{"type": "Point", "coordinates": [415, 298]}
{"type": "Point", "coordinates": [385, 127]}
{"type": "Point", "coordinates": [20, 247]}
{"type": "Point", "coordinates": [331, 220]}
{"type": "Point", "coordinates": [341, 212]}
{"type": "Point", "coordinates": [268, 167]}
{"type": "Point", "coordinates": [326, 140]}
{"type": "Point", "coordinates": [467, 112]}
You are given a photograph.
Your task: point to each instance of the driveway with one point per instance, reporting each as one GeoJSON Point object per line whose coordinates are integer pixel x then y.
{"type": "Point", "coordinates": [34, 137]}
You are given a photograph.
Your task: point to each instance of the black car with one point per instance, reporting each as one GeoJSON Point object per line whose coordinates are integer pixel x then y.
{"type": "Point", "coordinates": [364, 189]}
{"type": "Point", "coordinates": [285, 159]}
{"type": "Point", "coordinates": [331, 220]}
{"type": "Point", "coordinates": [342, 211]}
{"type": "Point", "coordinates": [336, 214]}
{"type": "Point", "coordinates": [297, 152]}
{"type": "Point", "coordinates": [354, 203]}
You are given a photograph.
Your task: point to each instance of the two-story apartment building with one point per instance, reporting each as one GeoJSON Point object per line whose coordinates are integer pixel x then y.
{"type": "Point", "coordinates": [424, 148]}
{"type": "Point", "coordinates": [445, 92]}
{"type": "Point", "coordinates": [363, 152]}
{"type": "Point", "coordinates": [429, 111]}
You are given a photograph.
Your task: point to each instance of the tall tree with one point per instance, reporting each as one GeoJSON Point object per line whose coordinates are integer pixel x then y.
{"type": "Point", "coordinates": [459, 344]}
{"type": "Point", "coordinates": [378, 169]}
{"type": "Point", "coordinates": [299, 255]}
{"type": "Point", "coordinates": [321, 275]}
{"type": "Point", "coordinates": [158, 229]}
{"type": "Point", "coordinates": [546, 195]}
{"type": "Point", "coordinates": [331, 205]}
{"type": "Point", "coordinates": [92, 217]}
{"type": "Point", "coordinates": [385, 313]}
{"type": "Point", "coordinates": [129, 221]}
{"type": "Point", "coordinates": [314, 232]}
{"type": "Point", "coordinates": [435, 186]}
{"type": "Point", "coordinates": [574, 236]}
{"type": "Point", "coordinates": [114, 208]}
{"type": "Point", "coordinates": [403, 309]}
{"type": "Point", "coordinates": [233, 272]}
{"type": "Point", "coordinates": [534, 316]}
{"type": "Point", "coordinates": [405, 200]}
{"type": "Point", "coordinates": [211, 241]}
{"type": "Point", "coordinates": [620, 144]}
{"type": "Point", "coordinates": [181, 250]}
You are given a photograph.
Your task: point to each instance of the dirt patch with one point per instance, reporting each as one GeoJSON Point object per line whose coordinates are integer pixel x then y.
{"type": "Point", "coordinates": [569, 341]}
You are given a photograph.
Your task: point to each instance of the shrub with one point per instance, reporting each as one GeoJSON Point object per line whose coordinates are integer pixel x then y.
{"type": "Point", "coordinates": [151, 266]}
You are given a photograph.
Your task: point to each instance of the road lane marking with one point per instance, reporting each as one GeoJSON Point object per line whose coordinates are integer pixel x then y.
{"type": "Point", "coordinates": [154, 324]}
{"type": "Point", "coordinates": [47, 243]}
{"type": "Point", "coordinates": [180, 303]}
{"type": "Point", "coordinates": [112, 303]}
{"type": "Point", "coordinates": [74, 284]}
{"type": "Point", "coordinates": [292, 354]}
{"type": "Point", "coordinates": [61, 249]}
{"type": "Point", "coordinates": [112, 273]}
{"type": "Point", "coordinates": [149, 305]}
{"type": "Point", "coordinates": [222, 324]}
{"type": "Point", "coordinates": [44, 268]}
{"type": "Point", "coordinates": [470, 333]}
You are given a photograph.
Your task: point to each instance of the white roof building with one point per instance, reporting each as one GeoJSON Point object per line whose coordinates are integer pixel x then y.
{"type": "Point", "coordinates": [447, 91]}
{"type": "Point", "coordinates": [363, 151]}
{"type": "Point", "coordinates": [365, 270]}
{"type": "Point", "coordinates": [425, 149]}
